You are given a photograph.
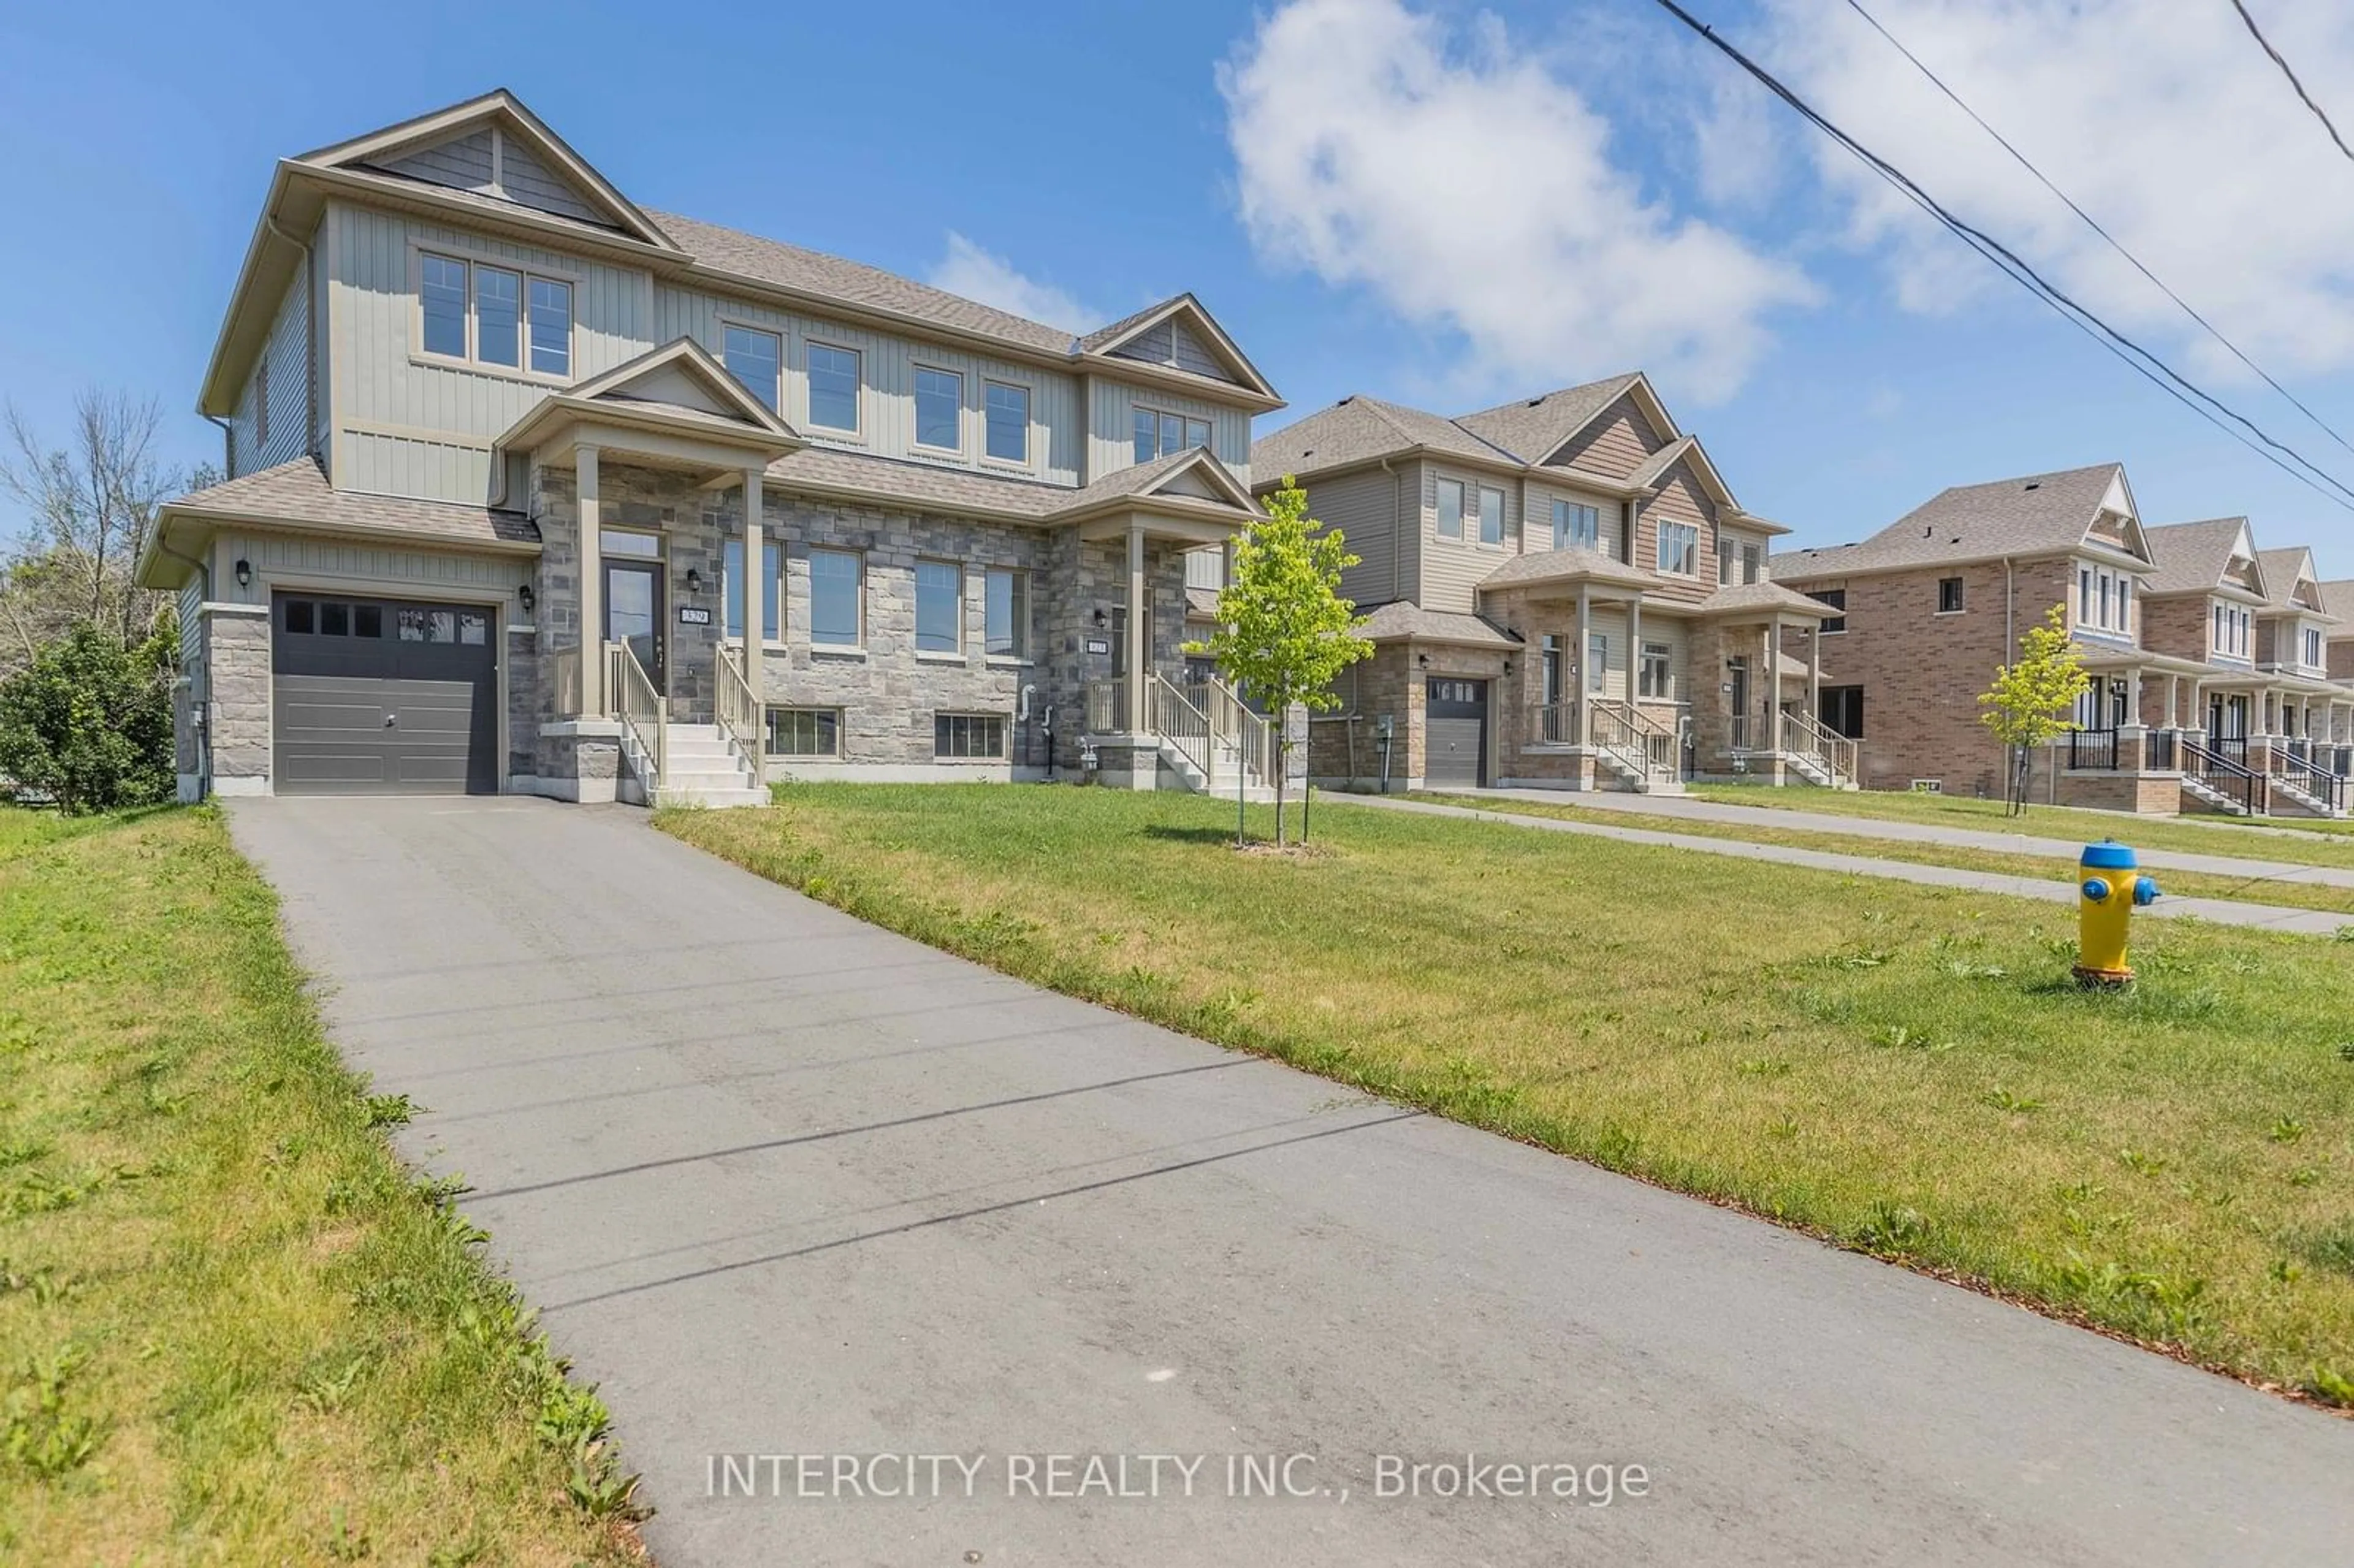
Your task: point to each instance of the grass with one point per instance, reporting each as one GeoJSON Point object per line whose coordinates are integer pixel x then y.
{"type": "Point", "coordinates": [232, 1328]}
{"type": "Point", "coordinates": [2052, 868]}
{"type": "Point", "coordinates": [1901, 1069]}
{"type": "Point", "coordinates": [2309, 842]}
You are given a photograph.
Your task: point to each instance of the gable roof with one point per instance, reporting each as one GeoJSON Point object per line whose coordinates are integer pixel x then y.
{"type": "Point", "coordinates": [1180, 308]}
{"type": "Point", "coordinates": [1569, 565]}
{"type": "Point", "coordinates": [2192, 556]}
{"type": "Point", "coordinates": [1359, 430]}
{"type": "Point", "coordinates": [2033, 515]}
{"type": "Point", "coordinates": [1402, 620]}
{"type": "Point", "coordinates": [2282, 570]}
{"type": "Point", "coordinates": [1533, 429]}
{"type": "Point", "coordinates": [683, 374]}
{"type": "Point", "coordinates": [2337, 599]}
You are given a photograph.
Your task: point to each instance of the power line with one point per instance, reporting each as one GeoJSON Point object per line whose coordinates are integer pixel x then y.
{"type": "Point", "coordinates": [2155, 371]}
{"type": "Point", "coordinates": [2095, 225]}
{"type": "Point", "coordinates": [2319, 113]}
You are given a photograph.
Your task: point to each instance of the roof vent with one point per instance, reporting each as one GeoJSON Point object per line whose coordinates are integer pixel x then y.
{"type": "Point", "coordinates": [1928, 530]}
{"type": "Point", "coordinates": [1537, 399]}
{"type": "Point", "coordinates": [1308, 451]}
{"type": "Point", "coordinates": [2035, 484]}
{"type": "Point", "coordinates": [1346, 401]}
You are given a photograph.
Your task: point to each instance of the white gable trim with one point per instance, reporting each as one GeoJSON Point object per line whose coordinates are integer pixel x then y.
{"type": "Point", "coordinates": [1206, 327]}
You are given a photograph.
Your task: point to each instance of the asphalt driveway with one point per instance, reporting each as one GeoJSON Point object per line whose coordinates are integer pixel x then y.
{"type": "Point", "coordinates": [788, 1185]}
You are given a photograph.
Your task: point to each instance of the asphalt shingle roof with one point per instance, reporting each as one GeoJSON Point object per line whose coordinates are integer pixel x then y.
{"type": "Point", "coordinates": [298, 493]}
{"type": "Point", "coordinates": [1531, 427]}
{"type": "Point", "coordinates": [941, 488]}
{"type": "Point", "coordinates": [1361, 430]}
{"type": "Point", "coordinates": [2280, 568]}
{"type": "Point", "coordinates": [2034, 513]}
{"type": "Point", "coordinates": [1400, 620]}
{"type": "Point", "coordinates": [2192, 556]}
{"type": "Point", "coordinates": [1550, 566]}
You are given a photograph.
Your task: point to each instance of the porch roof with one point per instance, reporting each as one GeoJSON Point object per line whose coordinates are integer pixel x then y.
{"type": "Point", "coordinates": [1570, 566]}
{"type": "Point", "coordinates": [1403, 622]}
{"type": "Point", "coordinates": [1764, 599]}
{"type": "Point", "coordinates": [2105, 661]}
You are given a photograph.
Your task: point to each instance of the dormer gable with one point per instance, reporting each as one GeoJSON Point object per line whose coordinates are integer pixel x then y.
{"type": "Point", "coordinates": [682, 375]}
{"type": "Point", "coordinates": [2116, 525]}
{"type": "Point", "coordinates": [1178, 334]}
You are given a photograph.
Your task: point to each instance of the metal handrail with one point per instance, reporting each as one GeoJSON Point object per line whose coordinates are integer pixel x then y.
{"type": "Point", "coordinates": [1553, 723]}
{"type": "Point", "coordinates": [1631, 736]}
{"type": "Point", "coordinates": [1809, 737]}
{"type": "Point", "coordinates": [643, 713]}
{"type": "Point", "coordinates": [739, 709]}
{"type": "Point", "coordinates": [2092, 748]}
{"type": "Point", "coordinates": [2327, 789]}
{"type": "Point", "coordinates": [1179, 722]}
{"type": "Point", "coordinates": [2211, 767]}
{"type": "Point", "coordinates": [2157, 751]}
{"type": "Point", "coordinates": [1232, 723]}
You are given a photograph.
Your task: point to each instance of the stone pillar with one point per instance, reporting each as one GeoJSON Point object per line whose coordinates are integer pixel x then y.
{"type": "Point", "coordinates": [592, 591]}
{"type": "Point", "coordinates": [1139, 650]}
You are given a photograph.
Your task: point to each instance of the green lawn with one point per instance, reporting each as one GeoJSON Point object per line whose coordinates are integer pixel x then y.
{"type": "Point", "coordinates": [232, 1328]}
{"type": "Point", "coordinates": [1906, 1070]}
{"type": "Point", "coordinates": [2312, 842]}
{"type": "Point", "coordinates": [1766, 831]}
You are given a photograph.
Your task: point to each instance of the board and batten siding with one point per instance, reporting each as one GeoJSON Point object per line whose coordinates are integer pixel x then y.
{"type": "Point", "coordinates": [361, 568]}
{"type": "Point", "coordinates": [1452, 570]}
{"type": "Point", "coordinates": [1371, 510]}
{"type": "Point", "coordinates": [283, 370]}
{"type": "Point", "coordinates": [887, 368]}
{"type": "Point", "coordinates": [1111, 425]}
{"type": "Point", "coordinates": [405, 425]}
{"type": "Point", "coordinates": [491, 163]}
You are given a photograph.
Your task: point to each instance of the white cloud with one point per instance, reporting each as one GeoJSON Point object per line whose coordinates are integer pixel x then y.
{"type": "Point", "coordinates": [1471, 189]}
{"type": "Point", "coordinates": [977, 274]}
{"type": "Point", "coordinates": [2162, 119]}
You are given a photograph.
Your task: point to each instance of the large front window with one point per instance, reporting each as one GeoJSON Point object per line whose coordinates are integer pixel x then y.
{"type": "Point", "coordinates": [836, 583]}
{"type": "Point", "coordinates": [731, 572]}
{"type": "Point", "coordinates": [939, 607]}
{"type": "Point", "coordinates": [1008, 613]}
{"type": "Point", "coordinates": [493, 315]}
{"type": "Point", "coordinates": [755, 358]}
{"type": "Point", "coordinates": [1158, 434]}
{"type": "Point", "coordinates": [834, 388]}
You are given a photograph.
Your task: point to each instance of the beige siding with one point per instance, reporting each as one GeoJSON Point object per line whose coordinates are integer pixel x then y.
{"type": "Point", "coordinates": [1363, 506]}
{"type": "Point", "coordinates": [1536, 533]}
{"type": "Point", "coordinates": [1616, 444]}
{"type": "Point", "coordinates": [1681, 499]}
{"type": "Point", "coordinates": [491, 163]}
{"type": "Point", "coordinates": [530, 182]}
{"type": "Point", "coordinates": [1452, 570]}
{"type": "Point", "coordinates": [1111, 425]}
{"type": "Point", "coordinates": [886, 369]}
{"type": "Point", "coordinates": [279, 558]}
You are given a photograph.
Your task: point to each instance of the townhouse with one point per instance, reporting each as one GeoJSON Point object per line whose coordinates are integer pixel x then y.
{"type": "Point", "coordinates": [2210, 687]}
{"type": "Point", "coordinates": [1563, 591]}
{"type": "Point", "coordinates": [531, 488]}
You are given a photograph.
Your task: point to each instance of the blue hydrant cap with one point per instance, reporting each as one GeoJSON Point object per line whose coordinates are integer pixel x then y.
{"type": "Point", "coordinates": [2109, 856]}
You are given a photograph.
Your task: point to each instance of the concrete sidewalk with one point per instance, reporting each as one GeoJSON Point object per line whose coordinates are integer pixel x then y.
{"type": "Point", "coordinates": [2223, 911]}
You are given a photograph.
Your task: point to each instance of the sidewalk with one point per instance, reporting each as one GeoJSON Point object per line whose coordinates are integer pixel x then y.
{"type": "Point", "coordinates": [1770, 816]}
{"type": "Point", "coordinates": [2223, 912]}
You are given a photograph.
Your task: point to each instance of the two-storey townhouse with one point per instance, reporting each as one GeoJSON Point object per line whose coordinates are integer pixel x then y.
{"type": "Point", "coordinates": [1928, 608]}
{"type": "Point", "coordinates": [1563, 592]}
{"type": "Point", "coordinates": [2309, 711]}
{"type": "Point", "coordinates": [533, 488]}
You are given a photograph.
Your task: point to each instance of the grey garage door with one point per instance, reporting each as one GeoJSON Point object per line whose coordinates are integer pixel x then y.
{"type": "Point", "coordinates": [382, 697]}
{"type": "Point", "coordinates": [1456, 756]}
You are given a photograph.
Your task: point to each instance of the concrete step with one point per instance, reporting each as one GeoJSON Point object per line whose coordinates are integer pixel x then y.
{"type": "Point", "coordinates": [713, 798]}
{"type": "Point", "coordinates": [706, 779]}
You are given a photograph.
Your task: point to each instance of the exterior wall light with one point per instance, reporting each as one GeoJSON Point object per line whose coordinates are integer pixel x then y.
{"type": "Point", "coordinates": [526, 598]}
{"type": "Point", "coordinates": [1102, 619]}
{"type": "Point", "coordinates": [244, 572]}
{"type": "Point", "coordinates": [694, 581]}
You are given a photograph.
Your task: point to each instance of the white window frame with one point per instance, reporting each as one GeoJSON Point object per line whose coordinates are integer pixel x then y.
{"type": "Point", "coordinates": [772, 709]}
{"type": "Point", "coordinates": [856, 430]}
{"type": "Point", "coordinates": [1028, 460]}
{"type": "Point", "coordinates": [915, 442]}
{"type": "Point", "coordinates": [472, 260]}
{"type": "Point", "coordinates": [1666, 654]}
{"type": "Point", "coordinates": [1438, 505]}
{"type": "Point", "coordinates": [1660, 547]}
{"type": "Point", "coordinates": [1484, 492]}
{"type": "Point", "coordinates": [1597, 664]}
{"type": "Point", "coordinates": [775, 401]}
{"type": "Point", "coordinates": [858, 640]}
{"type": "Point", "coordinates": [1565, 534]}
{"type": "Point", "coordinates": [916, 574]}
{"type": "Point", "coordinates": [1019, 610]}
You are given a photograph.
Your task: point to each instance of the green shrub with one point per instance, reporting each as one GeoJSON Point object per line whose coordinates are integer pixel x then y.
{"type": "Point", "coordinates": [88, 725]}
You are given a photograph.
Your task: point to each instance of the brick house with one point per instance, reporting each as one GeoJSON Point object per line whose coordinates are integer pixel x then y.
{"type": "Point", "coordinates": [1563, 592]}
{"type": "Point", "coordinates": [532, 489]}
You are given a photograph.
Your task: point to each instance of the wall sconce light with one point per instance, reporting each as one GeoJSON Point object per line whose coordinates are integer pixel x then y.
{"type": "Point", "coordinates": [1423, 659]}
{"type": "Point", "coordinates": [1508, 666]}
{"type": "Point", "coordinates": [694, 581]}
{"type": "Point", "coordinates": [1102, 619]}
{"type": "Point", "coordinates": [244, 572]}
{"type": "Point", "coordinates": [526, 598]}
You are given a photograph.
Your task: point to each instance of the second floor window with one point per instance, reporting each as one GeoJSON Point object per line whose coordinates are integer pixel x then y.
{"type": "Point", "coordinates": [1949, 596]}
{"type": "Point", "coordinates": [1008, 411]}
{"type": "Point", "coordinates": [1159, 434]}
{"type": "Point", "coordinates": [1576, 526]}
{"type": "Point", "coordinates": [1008, 613]}
{"type": "Point", "coordinates": [1837, 599]}
{"type": "Point", "coordinates": [755, 358]}
{"type": "Point", "coordinates": [2232, 626]}
{"type": "Point", "coordinates": [834, 388]}
{"type": "Point", "coordinates": [1450, 508]}
{"type": "Point", "coordinates": [2313, 650]}
{"type": "Point", "coordinates": [1680, 549]}
{"type": "Point", "coordinates": [493, 315]}
{"type": "Point", "coordinates": [836, 589]}
{"type": "Point", "coordinates": [939, 607]}
{"type": "Point", "coordinates": [940, 408]}
{"type": "Point", "coordinates": [1491, 516]}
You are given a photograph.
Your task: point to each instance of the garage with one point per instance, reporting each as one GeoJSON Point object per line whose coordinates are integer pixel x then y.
{"type": "Point", "coordinates": [382, 697]}
{"type": "Point", "coordinates": [1456, 755]}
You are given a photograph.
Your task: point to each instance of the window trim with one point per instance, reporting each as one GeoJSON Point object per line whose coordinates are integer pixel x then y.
{"type": "Point", "coordinates": [916, 633]}
{"type": "Point", "coordinates": [1159, 412]}
{"type": "Point", "coordinates": [1597, 664]}
{"type": "Point", "coordinates": [1438, 483]}
{"type": "Point", "coordinates": [727, 595]}
{"type": "Point", "coordinates": [472, 257]}
{"type": "Point", "coordinates": [1822, 596]}
{"type": "Point", "coordinates": [1660, 549]}
{"type": "Point", "coordinates": [856, 431]}
{"type": "Point", "coordinates": [1484, 492]}
{"type": "Point", "coordinates": [1961, 596]}
{"type": "Point", "coordinates": [858, 639]}
{"type": "Point", "coordinates": [917, 371]}
{"type": "Point", "coordinates": [1028, 461]}
{"type": "Point", "coordinates": [1003, 722]}
{"type": "Point", "coordinates": [745, 323]}
{"type": "Point", "coordinates": [1564, 534]}
{"type": "Point", "coordinates": [768, 732]}
{"type": "Point", "coordinates": [1019, 610]}
{"type": "Point", "coordinates": [1665, 654]}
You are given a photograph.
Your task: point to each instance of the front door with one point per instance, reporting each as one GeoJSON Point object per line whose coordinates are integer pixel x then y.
{"type": "Point", "coordinates": [1738, 700]}
{"type": "Point", "coordinates": [633, 614]}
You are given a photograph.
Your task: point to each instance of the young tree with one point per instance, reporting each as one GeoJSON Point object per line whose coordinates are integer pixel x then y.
{"type": "Point", "coordinates": [88, 725]}
{"type": "Point", "coordinates": [1284, 631]}
{"type": "Point", "coordinates": [2032, 699]}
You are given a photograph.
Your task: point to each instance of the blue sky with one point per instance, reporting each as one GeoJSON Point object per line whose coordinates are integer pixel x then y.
{"type": "Point", "coordinates": [1335, 198]}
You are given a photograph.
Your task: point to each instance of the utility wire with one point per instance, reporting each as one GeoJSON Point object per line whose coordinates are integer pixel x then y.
{"type": "Point", "coordinates": [2258, 33]}
{"type": "Point", "coordinates": [2155, 370]}
{"type": "Point", "coordinates": [2090, 222]}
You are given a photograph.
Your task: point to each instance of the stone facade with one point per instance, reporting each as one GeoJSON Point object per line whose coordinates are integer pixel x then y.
{"type": "Point", "coordinates": [237, 687]}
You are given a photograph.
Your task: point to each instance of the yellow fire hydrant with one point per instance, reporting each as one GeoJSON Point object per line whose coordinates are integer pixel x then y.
{"type": "Point", "coordinates": [2112, 887]}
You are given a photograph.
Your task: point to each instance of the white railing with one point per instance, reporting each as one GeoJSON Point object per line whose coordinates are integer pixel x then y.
{"type": "Point", "coordinates": [1805, 736]}
{"type": "Point", "coordinates": [1641, 744]}
{"type": "Point", "coordinates": [738, 710]}
{"type": "Point", "coordinates": [640, 708]}
{"type": "Point", "coordinates": [1107, 707]}
{"type": "Point", "coordinates": [1179, 722]}
{"type": "Point", "coordinates": [1233, 724]}
{"type": "Point", "coordinates": [1553, 723]}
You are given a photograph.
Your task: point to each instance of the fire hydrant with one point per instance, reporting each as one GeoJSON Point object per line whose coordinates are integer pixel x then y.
{"type": "Point", "coordinates": [2112, 888]}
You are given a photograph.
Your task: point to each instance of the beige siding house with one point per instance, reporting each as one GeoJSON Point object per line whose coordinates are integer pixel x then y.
{"type": "Point", "coordinates": [1563, 592]}
{"type": "Point", "coordinates": [501, 443]}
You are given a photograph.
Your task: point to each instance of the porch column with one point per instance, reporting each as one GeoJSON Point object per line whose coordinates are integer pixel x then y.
{"type": "Point", "coordinates": [1815, 674]}
{"type": "Point", "coordinates": [1137, 650]}
{"type": "Point", "coordinates": [1634, 646]}
{"type": "Point", "coordinates": [2133, 699]}
{"type": "Point", "coordinates": [1581, 679]}
{"type": "Point", "coordinates": [2174, 702]}
{"type": "Point", "coordinates": [592, 588]}
{"type": "Point", "coordinates": [755, 569]}
{"type": "Point", "coordinates": [1773, 685]}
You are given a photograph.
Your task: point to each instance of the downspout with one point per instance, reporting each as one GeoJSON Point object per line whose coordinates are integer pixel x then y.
{"type": "Point", "coordinates": [200, 703]}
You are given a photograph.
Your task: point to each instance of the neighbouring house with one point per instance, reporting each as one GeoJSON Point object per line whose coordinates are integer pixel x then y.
{"type": "Point", "coordinates": [1927, 608]}
{"type": "Point", "coordinates": [2337, 596]}
{"type": "Point", "coordinates": [532, 489]}
{"type": "Point", "coordinates": [1563, 592]}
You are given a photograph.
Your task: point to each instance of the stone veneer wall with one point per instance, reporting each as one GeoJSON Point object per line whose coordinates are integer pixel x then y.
{"type": "Point", "coordinates": [238, 650]}
{"type": "Point", "coordinates": [887, 691]}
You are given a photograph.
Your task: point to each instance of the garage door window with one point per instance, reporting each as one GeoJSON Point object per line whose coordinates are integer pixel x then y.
{"type": "Point", "coordinates": [429, 626]}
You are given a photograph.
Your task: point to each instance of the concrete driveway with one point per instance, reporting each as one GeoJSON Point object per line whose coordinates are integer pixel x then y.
{"type": "Point", "coordinates": [787, 1185]}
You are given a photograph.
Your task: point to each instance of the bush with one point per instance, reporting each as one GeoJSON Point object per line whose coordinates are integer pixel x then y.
{"type": "Point", "coordinates": [88, 725]}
